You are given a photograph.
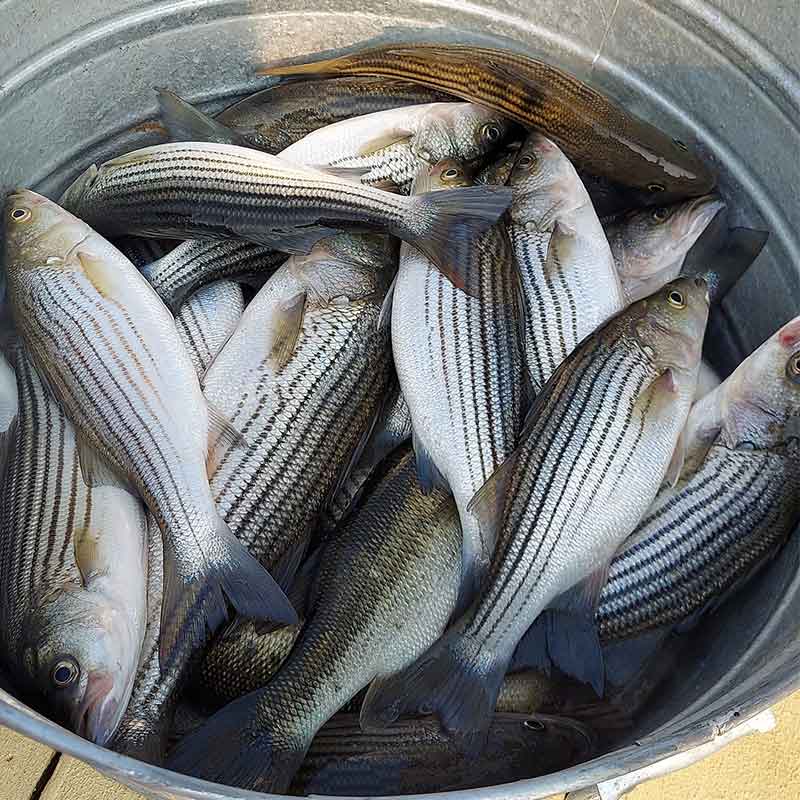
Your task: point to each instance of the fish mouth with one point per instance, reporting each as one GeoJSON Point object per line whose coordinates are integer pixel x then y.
{"type": "Point", "coordinates": [98, 715]}
{"type": "Point", "coordinates": [700, 212]}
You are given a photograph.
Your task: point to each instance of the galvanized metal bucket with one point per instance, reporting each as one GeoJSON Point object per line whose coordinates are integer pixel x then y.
{"type": "Point", "coordinates": [76, 82]}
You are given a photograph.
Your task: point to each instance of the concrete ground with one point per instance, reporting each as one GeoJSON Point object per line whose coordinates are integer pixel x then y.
{"type": "Point", "coordinates": [752, 768]}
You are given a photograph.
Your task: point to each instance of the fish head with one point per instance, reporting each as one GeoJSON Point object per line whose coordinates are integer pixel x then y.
{"type": "Point", "coordinates": [648, 242]}
{"type": "Point", "coordinates": [670, 324]}
{"type": "Point", "coordinates": [81, 654]}
{"type": "Point", "coordinates": [39, 233]}
{"type": "Point", "coordinates": [461, 131]}
{"type": "Point", "coordinates": [544, 184]}
{"type": "Point", "coordinates": [761, 399]}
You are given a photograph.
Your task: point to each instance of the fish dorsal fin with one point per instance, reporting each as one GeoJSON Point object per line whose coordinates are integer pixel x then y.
{"type": "Point", "coordinates": [222, 438]}
{"type": "Point", "coordinates": [97, 471]}
{"type": "Point", "coordinates": [185, 123]}
{"type": "Point", "coordinates": [287, 322]}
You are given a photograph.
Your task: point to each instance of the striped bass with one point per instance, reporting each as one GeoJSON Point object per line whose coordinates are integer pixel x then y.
{"type": "Point", "coordinates": [460, 364]}
{"type": "Point", "coordinates": [387, 585]}
{"type": "Point", "coordinates": [302, 378]}
{"type": "Point", "coordinates": [607, 422]}
{"type": "Point", "coordinates": [594, 132]}
{"type": "Point", "coordinates": [569, 282]}
{"type": "Point", "coordinates": [110, 353]}
{"type": "Point", "coordinates": [72, 571]}
{"type": "Point", "coordinates": [198, 190]}
{"type": "Point", "coordinates": [207, 320]}
{"type": "Point", "coordinates": [729, 513]}
{"type": "Point", "coordinates": [192, 265]}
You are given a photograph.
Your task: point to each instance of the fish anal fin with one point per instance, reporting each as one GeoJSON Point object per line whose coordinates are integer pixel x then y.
{"type": "Point", "coordinates": [97, 471]}
{"type": "Point", "coordinates": [427, 472]}
{"type": "Point", "coordinates": [488, 503]}
{"type": "Point", "coordinates": [222, 437]}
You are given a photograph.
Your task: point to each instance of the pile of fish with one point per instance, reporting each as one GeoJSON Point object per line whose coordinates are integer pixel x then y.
{"type": "Point", "coordinates": [358, 440]}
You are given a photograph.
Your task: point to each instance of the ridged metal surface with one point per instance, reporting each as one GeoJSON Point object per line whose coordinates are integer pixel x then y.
{"type": "Point", "coordinates": [75, 78]}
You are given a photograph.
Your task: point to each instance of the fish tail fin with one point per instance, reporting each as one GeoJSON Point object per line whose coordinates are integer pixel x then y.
{"type": "Point", "coordinates": [196, 605]}
{"type": "Point", "coordinates": [185, 123]}
{"type": "Point", "coordinates": [238, 747]}
{"type": "Point", "coordinates": [455, 217]}
{"type": "Point", "coordinates": [456, 679]}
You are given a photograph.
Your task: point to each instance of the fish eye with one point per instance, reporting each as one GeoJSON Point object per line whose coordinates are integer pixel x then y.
{"type": "Point", "coordinates": [64, 673]}
{"type": "Point", "coordinates": [20, 214]}
{"type": "Point", "coordinates": [451, 173]}
{"type": "Point", "coordinates": [660, 214]}
{"type": "Point", "coordinates": [534, 724]}
{"type": "Point", "coordinates": [655, 187]}
{"type": "Point", "coordinates": [676, 299]}
{"type": "Point", "coordinates": [793, 368]}
{"type": "Point", "coordinates": [680, 145]}
{"type": "Point", "coordinates": [525, 161]}
{"type": "Point", "coordinates": [491, 132]}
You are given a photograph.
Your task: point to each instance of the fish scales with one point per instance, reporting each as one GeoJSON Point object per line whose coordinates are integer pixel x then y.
{"type": "Point", "coordinates": [698, 541]}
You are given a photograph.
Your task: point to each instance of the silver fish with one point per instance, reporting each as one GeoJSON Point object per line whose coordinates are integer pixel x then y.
{"type": "Point", "coordinates": [649, 245]}
{"type": "Point", "coordinates": [388, 148]}
{"type": "Point", "coordinates": [415, 756]}
{"type": "Point", "coordinates": [460, 364]}
{"type": "Point", "coordinates": [110, 353]}
{"type": "Point", "coordinates": [142, 252]}
{"type": "Point", "coordinates": [194, 264]}
{"type": "Point", "coordinates": [207, 320]}
{"type": "Point", "coordinates": [72, 572]}
{"type": "Point", "coordinates": [606, 423]}
{"type": "Point", "coordinates": [728, 514]}
{"type": "Point", "coordinates": [387, 585]}
{"type": "Point", "coordinates": [392, 429]}
{"type": "Point", "coordinates": [569, 282]}
{"type": "Point", "coordinates": [302, 378]}
{"type": "Point", "coordinates": [216, 191]}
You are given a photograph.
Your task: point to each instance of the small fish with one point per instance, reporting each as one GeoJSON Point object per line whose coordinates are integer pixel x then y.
{"type": "Point", "coordinates": [194, 264]}
{"type": "Point", "coordinates": [392, 429]}
{"type": "Point", "coordinates": [728, 514]}
{"type": "Point", "coordinates": [217, 191]}
{"type": "Point", "coordinates": [207, 320]}
{"type": "Point", "coordinates": [649, 245]}
{"type": "Point", "coordinates": [387, 585]}
{"type": "Point", "coordinates": [414, 756]}
{"type": "Point", "coordinates": [302, 378]}
{"type": "Point", "coordinates": [72, 571]}
{"type": "Point", "coordinates": [389, 148]}
{"type": "Point", "coordinates": [605, 425]}
{"type": "Point", "coordinates": [595, 133]}
{"type": "Point", "coordinates": [498, 170]}
{"type": "Point", "coordinates": [569, 282]}
{"type": "Point", "coordinates": [460, 364]}
{"type": "Point", "coordinates": [275, 118]}
{"type": "Point", "coordinates": [110, 353]}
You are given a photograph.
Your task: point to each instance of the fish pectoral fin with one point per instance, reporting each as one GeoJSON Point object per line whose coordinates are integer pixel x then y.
{"type": "Point", "coordinates": [84, 545]}
{"type": "Point", "coordinates": [560, 250]}
{"type": "Point", "coordinates": [97, 273]}
{"type": "Point", "coordinates": [487, 504]}
{"type": "Point", "coordinates": [676, 463]}
{"type": "Point", "coordinates": [427, 472]}
{"type": "Point", "coordinates": [386, 139]}
{"type": "Point", "coordinates": [287, 322]}
{"type": "Point", "coordinates": [97, 471]}
{"type": "Point", "coordinates": [385, 315]}
{"type": "Point", "coordinates": [652, 396]}
{"type": "Point", "coordinates": [222, 438]}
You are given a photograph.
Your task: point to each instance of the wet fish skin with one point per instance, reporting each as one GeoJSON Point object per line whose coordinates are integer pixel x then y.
{"type": "Point", "coordinates": [414, 756]}
{"type": "Point", "coordinates": [649, 245]}
{"type": "Point", "coordinates": [72, 571]}
{"type": "Point", "coordinates": [569, 282]}
{"type": "Point", "coordinates": [389, 148]}
{"type": "Point", "coordinates": [392, 429]}
{"type": "Point", "coordinates": [387, 585]}
{"type": "Point", "coordinates": [460, 364]}
{"type": "Point", "coordinates": [308, 348]}
{"type": "Point", "coordinates": [203, 190]}
{"type": "Point", "coordinates": [207, 320]}
{"type": "Point", "coordinates": [275, 118]}
{"type": "Point", "coordinates": [142, 252]}
{"type": "Point", "coordinates": [525, 692]}
{"type": "Point", "coordinates": [595, 133]}
{"type": "Point", "coordinates": [109, 351]}
{"type": "Point", "coordinates": [194, 264]}
{"type": "Point", "coordinates": [620, 401]}
{"type": "Point", "coordinates": [730, 512]}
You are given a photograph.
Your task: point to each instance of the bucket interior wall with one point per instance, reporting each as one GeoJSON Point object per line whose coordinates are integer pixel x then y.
{"type": "Point", "coordinates": [76, 86]}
